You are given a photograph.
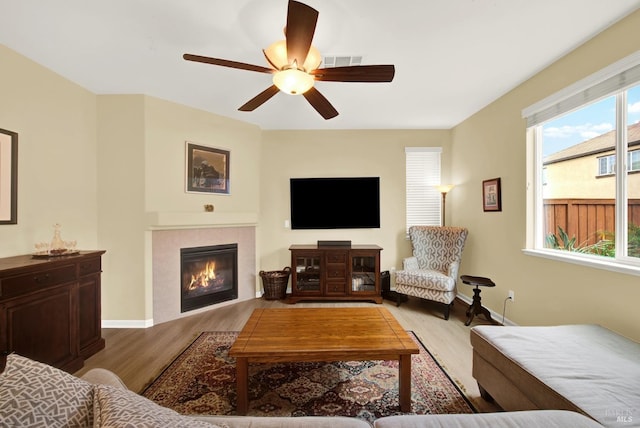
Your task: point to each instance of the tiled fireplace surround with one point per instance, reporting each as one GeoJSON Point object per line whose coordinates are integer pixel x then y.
{"type": "Point", "coordinates": [166, 245]}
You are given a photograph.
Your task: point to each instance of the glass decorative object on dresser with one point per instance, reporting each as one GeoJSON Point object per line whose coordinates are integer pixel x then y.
{"type": "Point", "coordinates": [57, 246]}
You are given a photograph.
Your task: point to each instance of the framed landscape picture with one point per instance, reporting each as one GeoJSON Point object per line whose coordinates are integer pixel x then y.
{"type": "Point", "coordinates": [491, 195]}
{"type": "Point", "coordinates": [207, 169]}
{"type": "Point", "coordinates": [8, 177]}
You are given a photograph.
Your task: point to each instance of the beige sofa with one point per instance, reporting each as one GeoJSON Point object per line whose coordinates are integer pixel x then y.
{"type": "Point", "coordinates": [583, 368]}
{"type": "Point", "coordinates": [33, 394]}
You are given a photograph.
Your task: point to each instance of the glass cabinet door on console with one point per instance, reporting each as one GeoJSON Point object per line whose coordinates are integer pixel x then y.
{"type": "Point", "coordinates": [307, 272]}
{"type": "Point", "coordinates": [365, 272]}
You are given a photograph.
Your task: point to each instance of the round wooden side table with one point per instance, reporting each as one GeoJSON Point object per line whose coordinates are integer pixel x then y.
{"type": "Point", "coordinates": [476, 307]}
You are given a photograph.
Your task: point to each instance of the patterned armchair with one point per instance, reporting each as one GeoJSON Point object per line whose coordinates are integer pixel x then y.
{"type": "Point", "coordinates": [432, 272]}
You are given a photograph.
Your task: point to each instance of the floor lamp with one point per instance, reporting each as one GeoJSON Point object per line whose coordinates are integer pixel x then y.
{"type": "Point", "coordinates": [444, 189]}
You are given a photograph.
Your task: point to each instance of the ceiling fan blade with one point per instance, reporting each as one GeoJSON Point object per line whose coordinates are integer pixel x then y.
{"type": "Point", "coordinates": [356, 73]}
{"type": "Point", "coordinates": [260, 99]}
{"type": "Point", "coordinates": [227, 63]}
{"type": "Point", "coordinates": [301, 25]}
{"type": "Point", "coordinates": [320, 103]}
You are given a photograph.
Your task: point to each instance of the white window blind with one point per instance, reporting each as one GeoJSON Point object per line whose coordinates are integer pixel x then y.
{"type": "Point", "coordinates": [423, 174]}
{"type": "Point", "coordinates": [618, 76]}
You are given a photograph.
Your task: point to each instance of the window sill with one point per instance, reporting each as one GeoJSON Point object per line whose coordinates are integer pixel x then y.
{"type": "Point", "coordinates": [585, 260]}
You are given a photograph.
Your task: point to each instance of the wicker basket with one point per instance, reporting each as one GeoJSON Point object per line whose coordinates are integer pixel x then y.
{"type": "Point", "coordinates": [275, 283]}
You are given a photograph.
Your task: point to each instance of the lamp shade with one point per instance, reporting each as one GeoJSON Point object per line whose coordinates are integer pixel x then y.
{"type": "Point", "coordinates": [444, 188]}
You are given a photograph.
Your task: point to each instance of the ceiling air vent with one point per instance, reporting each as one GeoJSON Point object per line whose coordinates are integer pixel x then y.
{"type": "Point", "coordinates": [340, 61]}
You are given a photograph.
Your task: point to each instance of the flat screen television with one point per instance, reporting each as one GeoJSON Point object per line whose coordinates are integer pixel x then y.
{"type": "Point", "coordinates": [335, 203]}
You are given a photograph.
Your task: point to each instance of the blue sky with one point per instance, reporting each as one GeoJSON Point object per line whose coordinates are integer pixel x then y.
{"type": "Point", "coordinates": [587, 123]}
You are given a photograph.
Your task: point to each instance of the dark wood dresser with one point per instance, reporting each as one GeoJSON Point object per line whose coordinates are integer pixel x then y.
{"type": "Point", "coordinates": [50, 308]}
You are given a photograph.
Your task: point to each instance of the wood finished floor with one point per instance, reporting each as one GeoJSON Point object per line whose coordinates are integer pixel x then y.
{"type": "Point", "coordinates": [139, 355]}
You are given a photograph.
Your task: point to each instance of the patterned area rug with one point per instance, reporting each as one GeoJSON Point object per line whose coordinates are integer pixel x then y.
{"type": "Point", "coordinates": [201, 380]}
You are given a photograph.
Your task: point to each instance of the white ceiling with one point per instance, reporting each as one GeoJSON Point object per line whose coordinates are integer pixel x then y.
{"type": "Point", "coordinates": [452, 57]}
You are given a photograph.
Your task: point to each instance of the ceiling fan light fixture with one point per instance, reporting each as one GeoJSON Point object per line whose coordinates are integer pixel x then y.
{"type": "Point", "coordinates": [277, 55]}
{"type": "Point", "coordinates": [313, 61]}
{"type": "Point", "coordinates": [295, 64]}
{"type": "Point", "coordinates": [293, 81]}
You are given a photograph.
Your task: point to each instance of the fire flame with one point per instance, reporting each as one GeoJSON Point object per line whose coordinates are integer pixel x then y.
{"type": "Point", "coordinates": [204, 278]}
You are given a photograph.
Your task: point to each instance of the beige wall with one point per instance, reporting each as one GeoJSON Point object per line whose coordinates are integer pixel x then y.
{"type": "Point", "coordinates": [56, 124]}
{"type": "Point", "coordinates": [168, 126]}
{"type": "Point", "coordinates": [142, 170]}
{"type": "Point", "coordinates": [121, 196]}
{"type": "Point", "coordinates": [287, 154]}
{"type": "Point", "coordinates": [490, 144]}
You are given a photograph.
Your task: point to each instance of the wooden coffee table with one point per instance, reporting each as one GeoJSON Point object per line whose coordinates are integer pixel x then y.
{"type": "Point", "coordinates": [322, 334]}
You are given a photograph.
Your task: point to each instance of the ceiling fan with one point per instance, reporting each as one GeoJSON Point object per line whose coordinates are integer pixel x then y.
{"type": "Point", "coordinates": [294, 64]}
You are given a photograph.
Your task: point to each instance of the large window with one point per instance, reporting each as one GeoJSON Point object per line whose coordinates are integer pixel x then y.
{"type": "Point", "coordinates": [584, 204]}
{"type": "Point", "coordinates": [422, 175]}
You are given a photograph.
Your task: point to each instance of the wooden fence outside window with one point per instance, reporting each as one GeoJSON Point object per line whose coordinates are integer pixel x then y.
{"type": "Point", "coordinates": [589, 220]}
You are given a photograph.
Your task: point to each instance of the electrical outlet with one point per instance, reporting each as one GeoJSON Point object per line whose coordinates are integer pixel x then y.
{"type": "Point", "coordinates": [511, 296]}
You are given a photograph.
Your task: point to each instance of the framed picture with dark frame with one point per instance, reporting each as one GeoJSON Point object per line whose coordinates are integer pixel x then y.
{"type": "Point", "coordinates": [207, 169]}
{"type": "Point", "coordinates": [8, 177]}
{"type": "Point", "coordinates": [491, 195]}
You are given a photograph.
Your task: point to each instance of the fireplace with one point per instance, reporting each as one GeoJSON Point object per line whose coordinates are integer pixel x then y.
{"type": "Point", "coordinates": [209, 275]}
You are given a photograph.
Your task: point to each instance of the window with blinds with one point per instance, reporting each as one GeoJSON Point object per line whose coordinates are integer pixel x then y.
{"type": "Point", "coordinates": [422, 175]}
{"type": "Point", "coordinates": [585, 202]}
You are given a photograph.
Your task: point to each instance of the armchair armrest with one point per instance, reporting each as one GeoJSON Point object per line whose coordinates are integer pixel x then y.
{"type": "Point", "coordinates": [410, 263]}
{"type": "Point", "coordinates": [453, 270]}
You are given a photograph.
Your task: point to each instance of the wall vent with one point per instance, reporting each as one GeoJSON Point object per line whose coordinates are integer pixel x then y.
{"type": "Point", "coordinates": [340, 61]}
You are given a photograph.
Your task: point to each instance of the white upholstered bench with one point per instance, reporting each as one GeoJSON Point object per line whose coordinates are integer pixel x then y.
{"type": "Point", "coordinates": [584, 368]}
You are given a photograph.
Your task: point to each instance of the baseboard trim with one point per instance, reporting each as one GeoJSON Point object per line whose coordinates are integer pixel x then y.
{"type": "Point", "coordinates": [496, 316]}
{"type": "Point", "coordinates": [127, 323]}
{"type": "Point", "coordinates": [149, 323]}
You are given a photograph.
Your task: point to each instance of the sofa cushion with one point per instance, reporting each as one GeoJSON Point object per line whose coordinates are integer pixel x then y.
{"type": "Point", "coordinates": [36, 394]}
{"type": "Point", "coordinates": [528, 419]}
{"type": "Point", "coordinates": [114, 407]}
{"type": "Point", "coordinates": [428, 279]}
{"type": "Point", "coordinates": [287, 421]}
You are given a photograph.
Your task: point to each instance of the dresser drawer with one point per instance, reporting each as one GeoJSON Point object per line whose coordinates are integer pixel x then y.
{"type": "Point", "coordinates": [23, 284]}
{"type": "Point", "coordinates": [90, 266]}
{"type": "Point", "coordinates": [337, 257]}
{"type": "Point", "coordinates": [336, 272]}
{"type": "Point", "coordinates": [336, 288]}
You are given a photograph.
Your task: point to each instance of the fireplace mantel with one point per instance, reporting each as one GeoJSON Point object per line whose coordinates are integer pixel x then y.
{"type": "Point", "coordinates": [164, 220]}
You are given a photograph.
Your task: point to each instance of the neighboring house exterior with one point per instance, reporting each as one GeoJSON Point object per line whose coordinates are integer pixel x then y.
{"type": "Point", "coordinates": [587, 170]}
{"type": "Point", "coordinates": [579, 187]}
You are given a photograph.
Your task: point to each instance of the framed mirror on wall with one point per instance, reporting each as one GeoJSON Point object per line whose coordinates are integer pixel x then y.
{"type": "Point", "coordinates": [8, 177]}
